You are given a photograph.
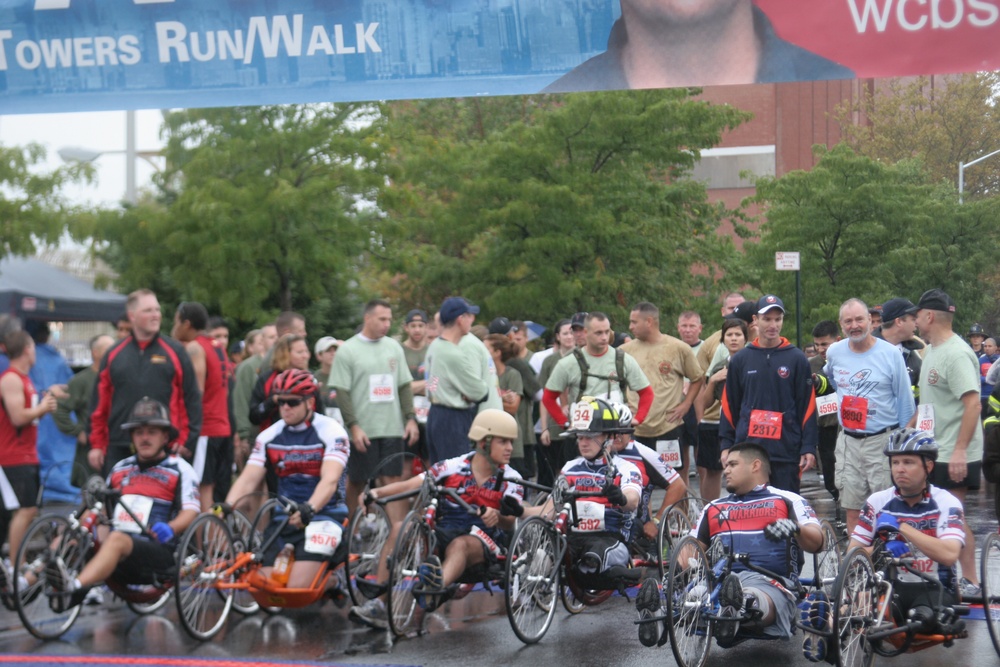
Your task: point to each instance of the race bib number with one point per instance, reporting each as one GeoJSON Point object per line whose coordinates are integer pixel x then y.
{"type": "Point", "coordinates": [827, 405]}
{"type": "Point", "coordinates": [581, 417]}
{"type": "Point", "coordinates": [381, 388]}
{"type": "Point", "coordinates": [323, 537]}
{"type": "Point", "coordinates": [925, 417]}
{"type": "Point", "coordinates": [421, 406]}
{"type": "Point", "coordinates": [670, 452]}
{"type": "Point", "coordinates": [141, 507]}
{"type": "Point", "coordinates": [854, 413]}
{"type": "Point", "coordinates": [920, 563]}
{"type": "Point", "coordinates": [487, 541]}
{"type": "Point", "coordinates": [591, 517]}
{"type": "Point", "coordinates": [765, 424]}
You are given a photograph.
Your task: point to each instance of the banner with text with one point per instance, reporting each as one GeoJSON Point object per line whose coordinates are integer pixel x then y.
{"type": "Point", "coordinates": [78, 55]}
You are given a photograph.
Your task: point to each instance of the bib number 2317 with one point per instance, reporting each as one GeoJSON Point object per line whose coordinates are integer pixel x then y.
{"type": "Point", "coordinates": [765, 424]}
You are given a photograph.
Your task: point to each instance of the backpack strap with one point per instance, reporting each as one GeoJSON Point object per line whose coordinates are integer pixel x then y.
{"type": "Point", "coordinates": [620, 369]}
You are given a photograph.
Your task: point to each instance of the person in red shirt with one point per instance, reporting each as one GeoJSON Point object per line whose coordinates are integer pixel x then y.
{"type": "Point", "coordinates": [19, 478]}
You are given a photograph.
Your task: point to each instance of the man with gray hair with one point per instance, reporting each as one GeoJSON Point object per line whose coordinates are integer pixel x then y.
{"type": "Point", "coordinates": [874, 399]}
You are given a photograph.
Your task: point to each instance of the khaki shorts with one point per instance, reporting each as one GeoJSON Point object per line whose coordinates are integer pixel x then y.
{"type": "Point", "coordinates": [862, 468]}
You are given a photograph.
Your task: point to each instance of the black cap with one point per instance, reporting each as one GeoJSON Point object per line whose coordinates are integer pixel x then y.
{"type": "Point", "coordinates": [500, 325]}
{"type": "Point", "coordinates": [935, 299]}
{"type": "Point", "coordinates": [876, 310]}
{"type": "Point", "coordinates": [896, 308]}
{"type": "Point", "coordinates": [745, 311]}
{"type": "Point", "coordinates": [578, 320]}
{"type": "Point", "coordinates": [416, 315]}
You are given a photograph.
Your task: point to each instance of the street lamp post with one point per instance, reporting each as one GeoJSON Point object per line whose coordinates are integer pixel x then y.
{"type": "Point", "coordinates": [961, 172]}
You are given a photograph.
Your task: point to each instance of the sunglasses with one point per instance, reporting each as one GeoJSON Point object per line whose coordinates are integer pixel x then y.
{"type": "Point", "coordinates": [290, 402]}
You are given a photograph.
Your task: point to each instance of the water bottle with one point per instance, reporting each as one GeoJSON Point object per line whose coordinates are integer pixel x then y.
{"type": "Point", "coordinates": [283, 565]}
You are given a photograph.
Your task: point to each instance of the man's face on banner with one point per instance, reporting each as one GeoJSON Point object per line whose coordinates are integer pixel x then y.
{"type": "Point", "coordinates": [683, 11]}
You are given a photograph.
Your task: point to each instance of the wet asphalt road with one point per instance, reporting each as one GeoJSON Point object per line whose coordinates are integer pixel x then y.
{"type": "Point", "coordinates": [474, 628]}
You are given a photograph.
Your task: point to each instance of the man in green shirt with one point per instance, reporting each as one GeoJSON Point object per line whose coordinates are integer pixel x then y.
{"type": "Point", "coordinates": [375, 397]}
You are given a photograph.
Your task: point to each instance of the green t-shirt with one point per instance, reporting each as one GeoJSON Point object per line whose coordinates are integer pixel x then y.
{"type": "Point", "coordinates": [949, 371]}
{"type": "Point", "coordinates": [373, 372]}
{"type": "Point", "coordinates": [415, 361]}
{"type": "Point", "coordinates": [460, 376]}
{"type": "Point", "coordinates": [602, 380]}
{"type": "Point", "coordinates": [511, 381]}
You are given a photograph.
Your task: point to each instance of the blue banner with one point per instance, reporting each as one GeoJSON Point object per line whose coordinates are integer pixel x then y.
{"type": "Point", "coordinates": [83, 55]}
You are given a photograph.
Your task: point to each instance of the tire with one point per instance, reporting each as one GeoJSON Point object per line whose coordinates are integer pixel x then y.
{"type": "Point", "coordinates": [532, 576]}
{"type": "Point", "coordinates": [989, 577]}
{"type": "Point", "coordinates": [688, 589]}
{"type": "Point", "coordinates": [570, 602]}
{"type": "Point", "coordinates": [146, 608]}
{"type": "Point", "coordinates": [366, 537]}
{"type": "Point", "coordinates": [412, 547]}
{"type": "Point", "coordinates": [245, 538]}
{"type": "Point", "coordinates": [826, 561]}
{"type": "Point", "coordinates": [854, 601]}
{"type": "Point", "coordinates": [205, 551]}
{"type": "Point", "coordinates": [48, 537]}
{"type": "Point", "coordinates": [673, 528]}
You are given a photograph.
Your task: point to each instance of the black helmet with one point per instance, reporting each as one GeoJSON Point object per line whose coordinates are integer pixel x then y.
{"type": "Point", "coordinates": [593, 415]}
{"type": "Point", "coordinates": [912, 441]}
{"type": "Point", "coordinates": [150, 412]}
{"type": "Point", "coordinates": [977, 330]}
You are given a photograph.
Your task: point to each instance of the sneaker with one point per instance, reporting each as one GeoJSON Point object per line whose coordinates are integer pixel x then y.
{"type": "Point", "coordinates": [61, 587]}
{"type": "Point", "coordinates": [372, 613]}
{"type": "Point", "coordinates": [428, 592]}
{"type": "Point", "coordinates": [6, 588]}
{"type": "Point", "coordinates": [818, 615]}
{"type": "Point", "coordinates": [94, 597]}
{"type": "Point", "coordinates": [969, 591]}
{"type": "Point", "coordinates": [731, 604]}
{"type": "Point", "coordinates": [647, 603]}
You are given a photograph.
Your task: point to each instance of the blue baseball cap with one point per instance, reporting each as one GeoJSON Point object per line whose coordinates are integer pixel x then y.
{"type": "Point", "coordinates": [454, 306]}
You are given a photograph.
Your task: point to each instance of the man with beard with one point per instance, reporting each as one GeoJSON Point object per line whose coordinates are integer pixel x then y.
{"type": "Point", "coordinates": [874, 398]}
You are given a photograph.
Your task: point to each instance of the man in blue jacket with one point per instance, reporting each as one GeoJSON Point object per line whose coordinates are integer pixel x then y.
{"type": "Point", "coordinates": [769, 399]}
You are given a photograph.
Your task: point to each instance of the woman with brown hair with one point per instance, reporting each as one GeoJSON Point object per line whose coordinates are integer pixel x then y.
{"type": "Point", "coordinates": [291, 351]}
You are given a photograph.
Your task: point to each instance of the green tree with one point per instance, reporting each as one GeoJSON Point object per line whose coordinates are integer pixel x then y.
{"type": "Point", "coordinates": [31, 206]}
{"type": "Point", "coordinates": [871, 230]}
{"type": "Point", "coordinates": [553, 204]}
{"type": "Point", "coordinates": [261, 209]}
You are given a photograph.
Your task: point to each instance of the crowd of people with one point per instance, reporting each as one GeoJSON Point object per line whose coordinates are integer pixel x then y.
{"type": "Point", "coordinates": [613, 412]}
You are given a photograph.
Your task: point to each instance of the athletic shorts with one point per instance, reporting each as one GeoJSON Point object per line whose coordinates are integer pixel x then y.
{"type": "Point", "coordinates": [446, 536]}
{"type": "Point", "coordinates": [708, 447]}
{"type": "Point", "coordinates": [149, 563]}
{"type": "Point", "coordinates": [939, 476]}
{"type": "Point", "coordinates": [213, 460]}
{"type": "Point", "coordinates": [19, 487]}
{"type": "Point", "coordinates": [861, 469]}
{"type": "Point", "coordinates": [297, 538]}
{"type": "Point", "coordinates": [608, 549]}
{"type": "Point", "coordinates": [361, 466]}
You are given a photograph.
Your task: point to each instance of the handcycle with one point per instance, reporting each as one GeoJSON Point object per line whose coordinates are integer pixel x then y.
{"type": "Point", "coordinates": [219, 562]}
{"type": "Point", "coordinates": [416, 540]}
{"type": "Point", "coordinates": [75, 539]}
{"type": "Point", "coordinates": [864, 621]}
{"type": "Point", "coordinates": [692, 589]}
{"type": "Point", "coordinates": [539, 567]}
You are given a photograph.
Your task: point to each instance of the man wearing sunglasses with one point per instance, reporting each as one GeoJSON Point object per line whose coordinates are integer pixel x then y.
{"type": "Point", "coordinates": [308, 452]}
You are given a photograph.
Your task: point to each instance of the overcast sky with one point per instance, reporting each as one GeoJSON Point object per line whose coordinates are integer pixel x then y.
{"type": "Point", "coordinates": [98, 131]}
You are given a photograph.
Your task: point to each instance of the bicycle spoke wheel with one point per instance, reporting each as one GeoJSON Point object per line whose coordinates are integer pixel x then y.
{"type": "Point", "coordinates": [532, 579]}
{"type": "Point", "coordinates": [675, 526]}
{"type": "Point", "coordinates": [855, 600]}
{"type": "Point", "coordinates": [48, 538]}
{"type": "Point", "coordinates": [366, 539]}
{"type": "Point", "coordinates": [570, 602]}
{"type": "Point", "coordinates": [990, 580]}
{"type": "Point", "coordinates": [688, 589]}
{"type": "Point", "coordinates": [412, 547]}
{"type": "Point", "coordinates": [826, 561]}
{"type": "Point", "coordinates": [245, 538]}
{"type": "Point", "coordinates": [205, 552]}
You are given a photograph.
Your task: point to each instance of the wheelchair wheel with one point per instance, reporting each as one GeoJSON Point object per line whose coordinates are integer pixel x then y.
{"type": "Point", "coordinates": [146, 608]}
{"type": "Point", "coordinates": [366, 537]}
{"type": "Point", "coordinates": [855, 603]}
{"type": "Point", "coordinates": [246, 538]}
{"type": "Point", "coordinates": [206, 550]}
{"type": "Point", "coordinates": [412, 547]}
{"type": "Point", "coordinates": [48, 538]}
{"type": "Point", "coordinates": [826, 561]}
{"type": "Point", "coordinates": [673, 528]}
{"type": "Point", "coordinates": [688, 589]}
{"type": "Point", "coordinates": [571, 603]}
{"type": "Point", "coordinates": [532, 576]}
{"type": "Point", "coordinates": [989, 577]}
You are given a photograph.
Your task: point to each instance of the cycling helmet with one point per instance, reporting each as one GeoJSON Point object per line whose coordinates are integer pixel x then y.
{"type": "Point", "coordinates": [296, 382]}
{"type": "Point", "coordinates": [493, 422]}
{"type": "Point", "coordinates": [977, 330]}
{"type": "Point", "coordinates": [150, 412]}
{"type": "Point", "coordinates": [912, 441]}
{"type": "Point", "coordinates": [624, 417]}
{"type": "Point", "coordinates": [594, 415]}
